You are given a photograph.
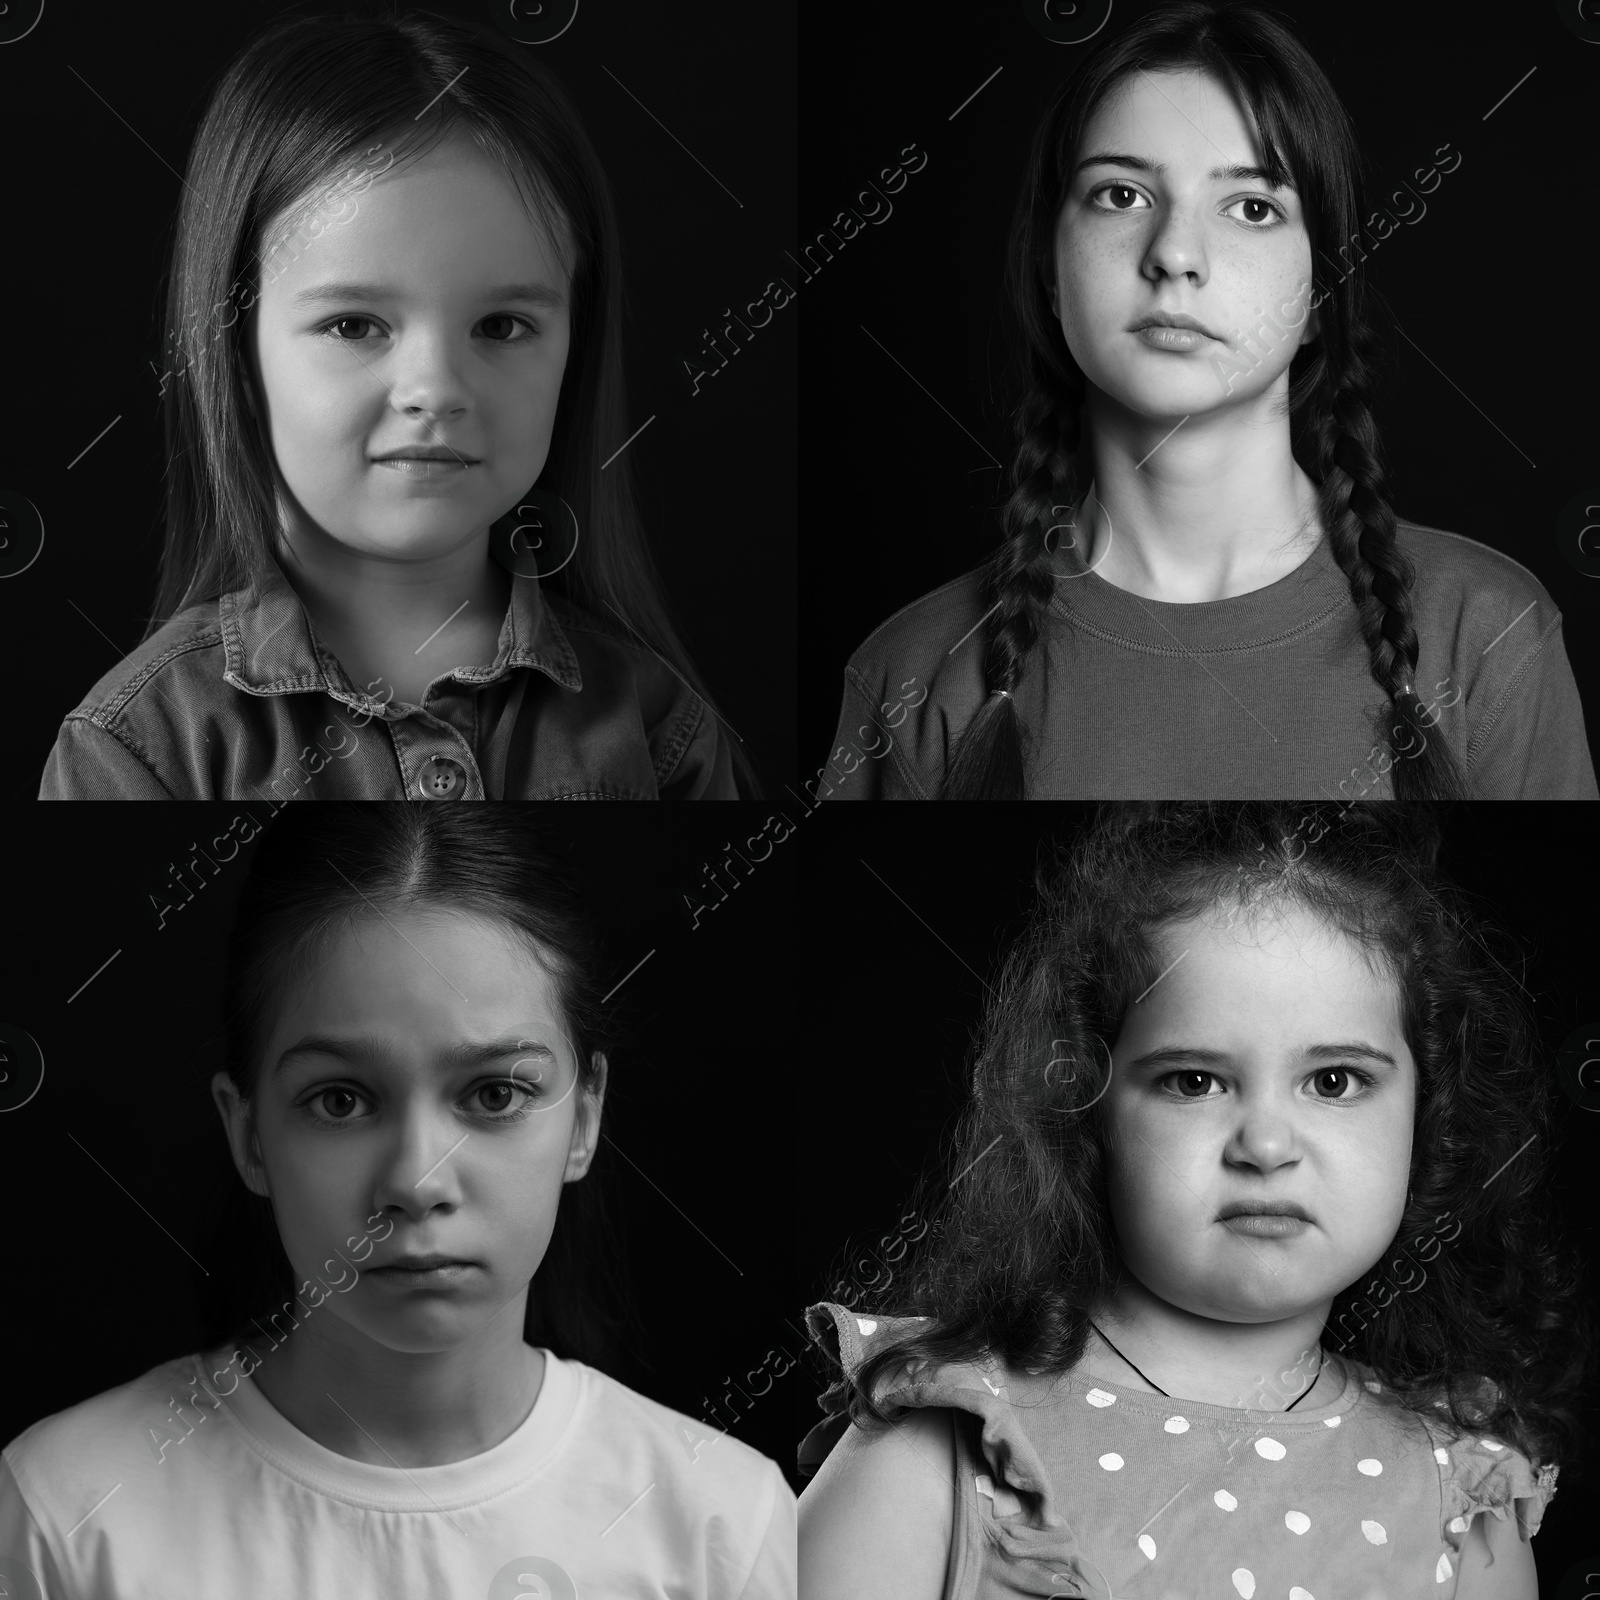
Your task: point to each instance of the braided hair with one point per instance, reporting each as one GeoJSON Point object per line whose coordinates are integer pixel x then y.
{"type": "Point", "coordinates": [1308, 140]}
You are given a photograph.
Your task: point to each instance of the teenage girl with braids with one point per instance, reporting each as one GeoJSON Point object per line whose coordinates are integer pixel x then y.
{"type": "Point", "coordinates": [1203, 590]}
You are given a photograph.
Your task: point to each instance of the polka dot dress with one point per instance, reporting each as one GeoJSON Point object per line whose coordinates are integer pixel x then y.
{"type": "Point", "coordinates": [1083, 1487]}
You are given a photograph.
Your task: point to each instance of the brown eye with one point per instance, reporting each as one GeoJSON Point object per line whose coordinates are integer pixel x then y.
{"type": "Point", "coordinates": [329, 1097]}
{"type": "Point", "coordinates": [1115, 188]}
{"type": "Point", "coordinates": [338, 338]}
{"type": "Point", "coordinates": [1331, 1084]}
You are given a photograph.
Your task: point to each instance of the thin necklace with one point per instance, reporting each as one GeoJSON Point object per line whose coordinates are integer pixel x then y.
{"type": "Point", "coordinates": [1163, 1393]}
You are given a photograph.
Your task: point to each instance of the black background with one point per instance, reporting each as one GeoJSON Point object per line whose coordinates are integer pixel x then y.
{"type": "Point", "coordinates": [1477, 284]}
{"type": "Point", "coordinates": [892, 1003]}
{"type": "Point", "coordinates": [91, 204]}
{"type": "Point", "coordinates": [99, 1286]}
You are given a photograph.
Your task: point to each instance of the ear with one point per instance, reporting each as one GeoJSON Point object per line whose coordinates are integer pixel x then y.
{"type": "Point", "coordinates": [1045, 277]}
{"type": "Point", "coordinates": [586, 1123]}
{"type": "Point", "coordinates": [1313, 326]}
{"type": "Point", "coordinates": [237, 1124]}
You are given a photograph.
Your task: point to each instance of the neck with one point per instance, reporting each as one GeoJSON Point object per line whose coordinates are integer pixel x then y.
{"type": "Point", "coordinates": [415, 608]}
{"type": "Point", "coordinates": [1258, 1366]}
{"type": "Point", "coordinates": [389, 1407]}
{"type": "Point", "coordinates": [403, 620]}
{"type": "Point", "coordinates": [1203, 513]}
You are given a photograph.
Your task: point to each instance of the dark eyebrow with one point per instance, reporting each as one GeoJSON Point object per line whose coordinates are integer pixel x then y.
{"type": "Point", "coordinates": [1184, 1054]}
{"type": "Point", "coordinates": [1159, 169]}
{"type": "Point", "coordinates": [534, 294]}
{"type": "Point", "coordinates": [456, 1058]}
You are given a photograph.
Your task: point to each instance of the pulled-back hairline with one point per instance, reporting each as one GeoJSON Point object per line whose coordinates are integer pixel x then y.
{"type": "Point", "coordinates": [283, 973]}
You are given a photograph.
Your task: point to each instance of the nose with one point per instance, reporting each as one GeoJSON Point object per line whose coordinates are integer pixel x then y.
{"type": "Point", "coordinates": [1263, 1138]}
{"type": "Point", "coordinates": [419, 1168]}
{"type": "Point", "coordinates": [426, 375]}
{"type": "Point", "coordinates": [1176, 247]}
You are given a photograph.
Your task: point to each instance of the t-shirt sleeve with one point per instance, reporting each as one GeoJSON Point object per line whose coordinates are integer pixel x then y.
{"type": "Point", "coordinates": [88, 763]}
{"type": "Point", "coordinates": [27, 1569]}
{"type": "Point", "coordinates": [1532, 744]}
{"type": "Point", "coordinates": [774, 1575]}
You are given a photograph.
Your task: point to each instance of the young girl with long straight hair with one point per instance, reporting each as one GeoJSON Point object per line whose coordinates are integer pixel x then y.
{"type": "Point", "coordinates": [1240, 1277]}
{"type": "Point", "coordinates": [416, 1070]}
{"type": "Point", "coordinates": [1202, 589]}
{"type": "Point", "coordinates": [402, 558]}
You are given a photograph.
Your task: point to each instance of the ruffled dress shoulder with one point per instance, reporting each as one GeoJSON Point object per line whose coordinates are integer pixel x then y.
{"type": "Point", "coordinates": [1075, 1486]}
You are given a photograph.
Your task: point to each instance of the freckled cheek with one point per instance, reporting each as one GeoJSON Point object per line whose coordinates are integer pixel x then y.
{"type": "Point", "coordinates": [1087, 269]}
{"type": "Point", "coordinates": [1281, 288]}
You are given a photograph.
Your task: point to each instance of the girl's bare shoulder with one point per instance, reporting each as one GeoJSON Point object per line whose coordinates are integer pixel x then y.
{"type": "Point", "coordinates": [877, 1518]}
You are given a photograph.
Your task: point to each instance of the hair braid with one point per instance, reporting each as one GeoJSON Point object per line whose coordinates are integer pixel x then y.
{"type": "Point", "coordinates": [1308, 137]}
{"type": "Point", "coordinates": [1020, 581]}
{"type": "Point", "coordinates": [1361, 533]}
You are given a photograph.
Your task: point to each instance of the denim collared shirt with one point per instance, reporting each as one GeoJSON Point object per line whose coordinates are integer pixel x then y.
{"type": "Point", "coordinates": [238, 699]}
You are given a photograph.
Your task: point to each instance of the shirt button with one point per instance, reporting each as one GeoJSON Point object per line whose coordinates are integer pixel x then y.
{"type": "Point", "coordinates": [442, 779]}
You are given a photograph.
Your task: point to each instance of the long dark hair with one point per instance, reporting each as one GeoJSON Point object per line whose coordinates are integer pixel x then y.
{"type": "Point", "coordinates": [1306, 139]}
{"type": "Point", "coordinates": [305, 101]}
{"type": "Point", "coordinates": [1022, 1251]}
{"type": "Point", "coordinates": [317, 869]}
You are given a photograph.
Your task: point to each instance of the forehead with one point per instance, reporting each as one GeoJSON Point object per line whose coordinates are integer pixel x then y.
{"type": "Point", "coordinates": [452, 216]}
{"type": "Point", "coordinates": [422, 973]}
{"type": "Point", "coordinates": [1184, 118]}
{"type": "Point", "coordinates": [1273, 972]}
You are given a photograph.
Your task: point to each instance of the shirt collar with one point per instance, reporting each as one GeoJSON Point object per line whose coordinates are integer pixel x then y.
{"type": "Point", "coordinates": [270, 647]}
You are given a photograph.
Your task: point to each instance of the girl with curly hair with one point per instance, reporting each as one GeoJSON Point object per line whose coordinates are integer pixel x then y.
{"type": "Point", "coordinates": [1202, 589]}
{"type": "Point", "coordinates": [1241, 1282]}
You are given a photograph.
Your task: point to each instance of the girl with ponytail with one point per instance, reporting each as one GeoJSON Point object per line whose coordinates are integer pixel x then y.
{"type": "Point", "coordinates": [1202, 589]}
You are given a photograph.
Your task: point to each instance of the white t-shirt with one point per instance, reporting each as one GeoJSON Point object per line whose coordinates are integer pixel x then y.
{"type": "Point", "coordinates": [155, 1491]}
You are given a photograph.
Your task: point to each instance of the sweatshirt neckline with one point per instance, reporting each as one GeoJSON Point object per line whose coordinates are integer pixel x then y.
{"type": "Point", "coordinates": [1300, 600]}
{"type": "Point", "coordinates": [394, 1488]}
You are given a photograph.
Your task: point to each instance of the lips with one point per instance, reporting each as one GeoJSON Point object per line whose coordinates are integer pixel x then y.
{"type": "Point", "coordinates": [1264, 1208]}
{"type": "Point", "coordinates": [422, 1263]}
{"type": "Point", "coordinates": [1174, 321]}
{"type": "Point", "coordinates": [430, 454]}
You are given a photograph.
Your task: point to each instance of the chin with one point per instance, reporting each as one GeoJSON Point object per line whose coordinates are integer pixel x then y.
{"type": "Point", "coordinates": [1181, 393]}
{"type": "Point", "coordinates": [407, 1337]}
{"type": "Point", "coordinates": [1246, 1294]}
